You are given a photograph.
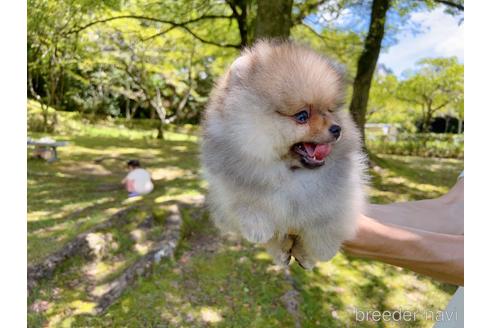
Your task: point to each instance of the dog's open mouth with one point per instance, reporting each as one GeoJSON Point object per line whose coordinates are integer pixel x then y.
{"type": "Point", "coordinates": [312, 154]}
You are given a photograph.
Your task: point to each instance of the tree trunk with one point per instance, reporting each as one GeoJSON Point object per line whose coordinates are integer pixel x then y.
{"type": "Point", "coordinates": [160, 130]}
{"type": "Point", "coordinates": [182, 104]}
{"type": "Point", "coordinates": [274, 19]}
{"type": "Point", "coordinates": [44, 108]}
{"type": "Point", "coordinates": [427, 119]}
{"type": "Point", "coordinates": [127, 109]}
{"type": "Point", "coordinates": [44, 113]}
{"type": "Point", "coordinates": [134, 109]}
{"type": "Point", "coordinates": [367, 63]}
{"type": "Point", "coordinates": [240, 13]}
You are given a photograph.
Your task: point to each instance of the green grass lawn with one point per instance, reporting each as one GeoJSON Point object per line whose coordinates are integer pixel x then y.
{"type": "Point", "coordinates": [214, 280]}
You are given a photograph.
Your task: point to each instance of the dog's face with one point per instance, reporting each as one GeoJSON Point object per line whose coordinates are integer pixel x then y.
{"type": "Point", "coordinates": [317, 130]}
{"type": "Point", "coordinates": [283, 103]}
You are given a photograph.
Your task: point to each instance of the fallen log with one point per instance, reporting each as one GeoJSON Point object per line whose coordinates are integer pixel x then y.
{"type": "Point", "coordinates": [164, 248]}
{"type": "Point", "coordinates": [78, 245]}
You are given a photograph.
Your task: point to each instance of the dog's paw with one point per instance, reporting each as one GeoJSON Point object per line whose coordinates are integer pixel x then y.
{"type": "Point", "coordinates": [304, 260]}
{"type": "Point", "coordinates": [285, 249]}
{"type": "Point", "coordinates": [256, 236]}
{"type": "Point", "coordinates": [279, 249]}
{"type": "Point", "coordinates": [306, 263]}
{"type": "Point", "coordinates": [282, 259]}
{"type": "Point", "coordinates": [255, 225]}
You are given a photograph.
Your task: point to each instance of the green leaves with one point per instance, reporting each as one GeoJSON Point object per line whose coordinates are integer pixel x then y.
{"type": "Point", "coordinates": [436, 86]}
{"type": "Point", "coordinates": [107, 56]}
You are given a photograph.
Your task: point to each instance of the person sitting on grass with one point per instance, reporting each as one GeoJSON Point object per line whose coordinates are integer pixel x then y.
{"type": "Point", "coordinates": [138, 181]}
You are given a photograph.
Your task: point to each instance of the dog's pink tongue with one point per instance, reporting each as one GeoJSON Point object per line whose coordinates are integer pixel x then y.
{"type": "Point", "coordinates": [318, 151]}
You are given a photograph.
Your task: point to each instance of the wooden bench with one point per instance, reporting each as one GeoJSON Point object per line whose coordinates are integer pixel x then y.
{"type": "Point", "coordinates": [46, 149]}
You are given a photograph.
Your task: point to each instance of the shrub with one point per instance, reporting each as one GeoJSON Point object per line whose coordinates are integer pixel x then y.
{"type": "Point", "coordinates": [421, 144]}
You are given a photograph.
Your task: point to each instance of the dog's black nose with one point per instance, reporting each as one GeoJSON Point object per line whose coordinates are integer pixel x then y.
{"type": "Point", "coordinates": [335, 130]}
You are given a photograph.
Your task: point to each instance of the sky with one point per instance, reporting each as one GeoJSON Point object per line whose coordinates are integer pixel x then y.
{"type": "Point", "coordinates": [422, 34]}
{"type": "Point", "coordinates": [440, 36]}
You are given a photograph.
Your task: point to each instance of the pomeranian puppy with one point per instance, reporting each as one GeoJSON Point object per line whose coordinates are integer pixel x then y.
{"type": "Point", "coordinates": [282, 159]}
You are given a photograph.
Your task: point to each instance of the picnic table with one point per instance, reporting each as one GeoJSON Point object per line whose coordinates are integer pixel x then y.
{"type": "Point", "coordinates": [46, 148]}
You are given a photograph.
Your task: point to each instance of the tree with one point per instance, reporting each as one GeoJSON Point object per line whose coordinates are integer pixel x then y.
{"type": "Point", "coordinates": [151, 57]}
{"type": "Point", "coordinates": [372, 46]}
{"type": "Point", "coordinates": [199, 19]}
{"type": "Point", "coordinates": [100, 58]}
{"type": "Point", "coordinates": [52, 54]}
{"type": "Point", "coordinates": [435, 86]}
{"type": "Point", "coordinates": [367, 63]}
{"type": "Point", "coordinates": [274, 19]}
{"type": "Point", "coordinates": [382, 98]}
{"type": "Point", "coordinates": [384, 106]}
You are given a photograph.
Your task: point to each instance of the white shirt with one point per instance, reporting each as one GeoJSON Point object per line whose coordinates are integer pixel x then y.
{"type": "Point", "coordinates": [453, 315]}
{"type": "Point", "coordinates": [140, 181]}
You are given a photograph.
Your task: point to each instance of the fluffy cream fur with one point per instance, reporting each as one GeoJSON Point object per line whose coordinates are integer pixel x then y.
{"type": "Point", "coordinates": [257, 186]}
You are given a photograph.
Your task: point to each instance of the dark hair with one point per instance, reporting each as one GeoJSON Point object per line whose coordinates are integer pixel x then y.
{"type": "Point", "coordinates": [133, 163]}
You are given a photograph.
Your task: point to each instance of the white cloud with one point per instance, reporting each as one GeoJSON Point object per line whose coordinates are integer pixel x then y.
{"type": "Point", "coordinates": [340, 19]}
{"type": "Point", "coordinates": [441, 36]}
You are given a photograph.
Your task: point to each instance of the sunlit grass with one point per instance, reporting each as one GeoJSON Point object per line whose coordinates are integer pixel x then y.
{"type": "Point", "coordinates": [213, 281]}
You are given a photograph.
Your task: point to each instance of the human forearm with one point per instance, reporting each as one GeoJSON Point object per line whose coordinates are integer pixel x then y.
{"type": "Point", "coordinates": [441, 215]}
{"type": "Point", "coordinates": [433, 254]}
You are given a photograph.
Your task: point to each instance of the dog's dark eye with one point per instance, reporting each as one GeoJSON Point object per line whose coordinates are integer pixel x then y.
{"type": "Point", "coordinates": [301, 117]}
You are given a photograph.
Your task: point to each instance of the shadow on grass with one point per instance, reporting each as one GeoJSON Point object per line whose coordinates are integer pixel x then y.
{"type": "Point", "coordinates": [226, 285]}
{"type": "Point", "coordinates": [214, 281]}
{"type": "Point", "coordinates": [73, 216]}
{"type": "Point", "coordinates": [438, 172]}
{"type": "Point", "coordinates": [325, 302]}
{"type": "Point", "coordinates": [62, 193]}
{"type": "Point", "coordinates": [379, 183]}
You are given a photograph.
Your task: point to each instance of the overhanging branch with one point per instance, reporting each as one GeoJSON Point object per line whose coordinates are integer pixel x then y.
{"type": "Point", "coordinates": [173, 25]}
{"type": "Point", "coordinates": [225, 45]}
{"type": "Point", "coordinates": [440, 106]}
{"type": "Point", "coordinates": [451, 4]}
{"type": "Point", "coordinates": [152, 19]}
{"type": "Point", "coordinates": [187, 29]}
{"type": "Point", "coordinates": [153, 36]}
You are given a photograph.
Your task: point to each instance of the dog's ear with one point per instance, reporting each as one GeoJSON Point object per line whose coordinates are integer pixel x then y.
{"type": "Point", "coordinates": [240, 68]}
